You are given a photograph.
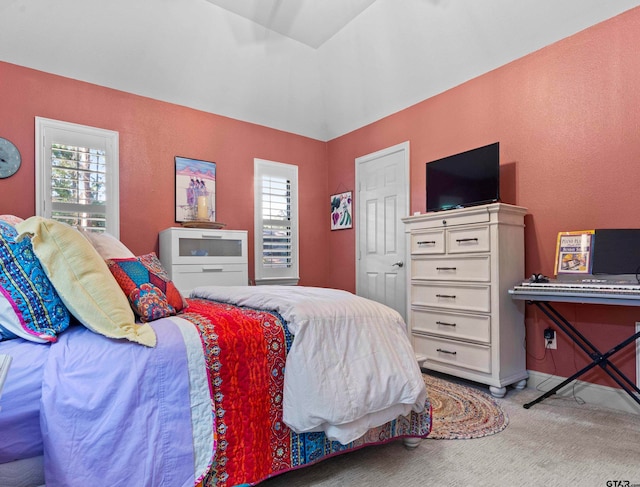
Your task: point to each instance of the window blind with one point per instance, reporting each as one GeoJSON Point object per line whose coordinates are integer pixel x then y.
{"type": "Point", "coordinates": [276, 222]}
{"type": "Point", "coordinates": [78, 186]}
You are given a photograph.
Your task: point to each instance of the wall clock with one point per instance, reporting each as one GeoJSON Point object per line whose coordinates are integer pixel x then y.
{"type": "Point", "coordinates": [9, 158]}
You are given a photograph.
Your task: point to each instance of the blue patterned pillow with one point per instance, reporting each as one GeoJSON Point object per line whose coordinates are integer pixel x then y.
{"type": "Point", "coordinates": [30, 307]}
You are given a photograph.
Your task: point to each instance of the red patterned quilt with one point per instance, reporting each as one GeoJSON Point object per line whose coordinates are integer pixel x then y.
{"type": "Point", "coordinates": [245, 351]}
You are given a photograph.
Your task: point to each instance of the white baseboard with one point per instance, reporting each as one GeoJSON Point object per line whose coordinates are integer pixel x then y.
{"type": "Point", "coordinates": [594, 394]}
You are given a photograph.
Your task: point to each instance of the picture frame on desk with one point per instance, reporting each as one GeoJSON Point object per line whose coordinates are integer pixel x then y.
{"type": "Point", "coordinates": [574, 252]}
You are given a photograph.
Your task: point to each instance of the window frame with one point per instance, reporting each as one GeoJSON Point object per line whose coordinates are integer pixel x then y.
{"type": "Point", "coordinates": [76, 134]}
{"type": "Point", "coordinates": [264, 275]}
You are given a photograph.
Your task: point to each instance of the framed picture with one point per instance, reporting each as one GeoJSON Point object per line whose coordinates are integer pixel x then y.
{"type": "Point", "coordinates": [341, 211]}
{"type": "Point", "coordinates": [195, 190]}
{"type": "Point", "coordinates": [573, 252]}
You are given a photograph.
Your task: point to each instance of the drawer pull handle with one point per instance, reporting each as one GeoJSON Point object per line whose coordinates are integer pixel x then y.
{"type": "Point", "coordinates": [461, 240]}
{"type": "Point", "coordinates": [445, 351]}
{"type": "Point", "coordinates": [448, 296]}
{"type": "Point", "coordinates": [446, 268]}
{"type": "Point", "coordinates": [210, 235]}
{"type": "Point", "coordinates": [212, 269]}
{"type": "Point", "coordinates": [426, 242]}
{"type": "Point", "coordinates": [445, 323]}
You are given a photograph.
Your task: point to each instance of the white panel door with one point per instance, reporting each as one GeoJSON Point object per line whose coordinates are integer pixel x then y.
{"type": "Point", "coordinates": [382, 200]}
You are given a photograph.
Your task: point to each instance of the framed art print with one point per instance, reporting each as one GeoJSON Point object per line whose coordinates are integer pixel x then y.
{"type": "Point", "coordinates": [195, 190]}
{"type": "Point", "coordinates": [341, 211]}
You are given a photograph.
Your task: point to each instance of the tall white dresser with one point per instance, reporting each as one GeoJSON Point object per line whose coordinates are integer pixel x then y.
{"type": "Point", "coordinates": [200, 257]}
{"type": "Point", "coordinates": [461, 317]}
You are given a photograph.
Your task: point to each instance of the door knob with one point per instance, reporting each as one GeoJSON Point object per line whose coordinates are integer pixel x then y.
{"type": "Point", "coordinates": [399, 264]}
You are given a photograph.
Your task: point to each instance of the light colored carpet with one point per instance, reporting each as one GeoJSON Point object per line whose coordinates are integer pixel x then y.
{"type": "Point", "coordinates": [557, 442]}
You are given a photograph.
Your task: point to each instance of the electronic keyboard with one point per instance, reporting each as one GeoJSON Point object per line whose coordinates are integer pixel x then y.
{"type": "Point", "coordinates": [591, 288]}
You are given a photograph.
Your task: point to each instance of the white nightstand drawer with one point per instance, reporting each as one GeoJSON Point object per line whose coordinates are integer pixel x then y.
{"type": "Point", "coordinates": [463, 297]}
{"type": "Point", "coordinates": [197, 246]}
{"type": "Point", "coordinates": [427, 242]}
{"type": "Point", "coordinates": [450, 352]}
{"type": "Point", "coordinates": [470, 268]}
{"type": "Point", "coordinates": [188, 277]}
{"type": "Point", "coordinates": [452, 325]}
{"type": "Point", "coordinates": [475, 239]}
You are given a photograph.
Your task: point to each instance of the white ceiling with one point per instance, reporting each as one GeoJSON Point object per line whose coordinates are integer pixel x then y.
{"type": "Point", "coordinates": [319, 68]}
{"type": "Point", "coordinates": [312, 22]}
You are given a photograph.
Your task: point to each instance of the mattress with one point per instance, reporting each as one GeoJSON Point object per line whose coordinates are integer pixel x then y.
{"type": "Point", "coordinates": [28, 472]}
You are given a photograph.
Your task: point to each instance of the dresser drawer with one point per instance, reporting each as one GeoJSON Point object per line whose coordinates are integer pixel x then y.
{"type": "Point", "coordinates": [187, 277]}
{"type": "Point", "coordinates": [464, 297]}
{"type": "Point", "coordinates": [468, 268]}
{"type": "Point", "coordinates": [451, 325]}
{"type": "Point", "coordinates": [450, 218]}
{"type": "Point", "coordinates": [431, 242]}
{"type": "Point", "coordinates": [475, 239]}
{"type": "Point", "coordinates": [450, 352]}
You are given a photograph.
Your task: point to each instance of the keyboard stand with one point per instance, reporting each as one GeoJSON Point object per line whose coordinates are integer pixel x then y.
{"type": "Point", "coordinates": [598, 358]}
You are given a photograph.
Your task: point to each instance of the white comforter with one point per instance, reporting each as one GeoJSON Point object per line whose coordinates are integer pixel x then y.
{"type": "Point", "coordinates": [351, 366]}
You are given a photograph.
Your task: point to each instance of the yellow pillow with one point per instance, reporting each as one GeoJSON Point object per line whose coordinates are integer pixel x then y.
{"type": "Point", "coordinates": [83, 280]}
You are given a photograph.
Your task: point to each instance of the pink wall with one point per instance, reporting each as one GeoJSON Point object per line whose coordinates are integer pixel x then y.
{"type": "Point", "coordinates": [568, 123]}
{"type": "Point", "coordinates": [566, 118]}
{"type": "Point", "coordinates": [151, 134]}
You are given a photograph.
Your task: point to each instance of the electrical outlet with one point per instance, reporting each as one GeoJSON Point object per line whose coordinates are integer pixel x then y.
{"type": "Point", "coordinates": [550, 339]}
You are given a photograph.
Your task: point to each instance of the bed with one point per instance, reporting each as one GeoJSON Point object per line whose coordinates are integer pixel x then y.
{"type": "Point", "coordinates": [229, 386]}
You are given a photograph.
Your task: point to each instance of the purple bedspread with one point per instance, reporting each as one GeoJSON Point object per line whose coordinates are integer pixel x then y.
{"type": "Point", "coordinates": [20, 435]}
{"type": "Point", "coordinates": [112, 412]}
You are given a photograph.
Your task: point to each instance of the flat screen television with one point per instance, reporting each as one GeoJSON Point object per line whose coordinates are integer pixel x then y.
{"type": "Point", "coordinates": [467, 179]}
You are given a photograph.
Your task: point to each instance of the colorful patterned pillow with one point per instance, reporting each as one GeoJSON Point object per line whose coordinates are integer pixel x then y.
{"type": "Point", "coordinates": [30, 307]}
{"type": "Point", "coordinates": [83, 281]}
{"type": "Point", "coordinates": [148, 287]}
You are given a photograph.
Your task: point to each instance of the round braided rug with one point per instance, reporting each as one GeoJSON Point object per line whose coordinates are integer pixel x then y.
{"type": "Point", "coordinates": [461, 412]}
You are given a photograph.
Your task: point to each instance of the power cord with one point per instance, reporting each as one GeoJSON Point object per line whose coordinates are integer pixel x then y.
{"type": "Point", "coordinates": [576, 398]}
{"type": "Point", "coordinates": [550, 375]}
{"type": "Point", "coordinates": [539, 359]}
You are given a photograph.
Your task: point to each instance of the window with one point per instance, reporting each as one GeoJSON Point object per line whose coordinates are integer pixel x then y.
{"type": "Point", "coordinates": [77, 175]}
{"type": "Point", "coordinates": [276, 222]}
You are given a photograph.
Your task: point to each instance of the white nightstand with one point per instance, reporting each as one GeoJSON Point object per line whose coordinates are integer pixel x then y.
{"type": "Point", "coordinates": [198, 257]}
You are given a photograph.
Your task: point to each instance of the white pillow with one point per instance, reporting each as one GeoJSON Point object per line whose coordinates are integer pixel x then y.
{"type": "Point", "coordinates": [108, 246]}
